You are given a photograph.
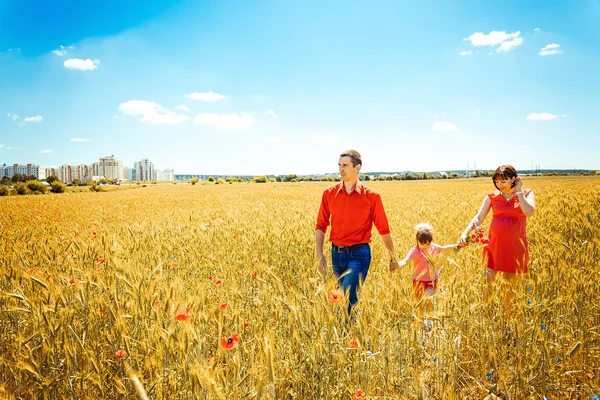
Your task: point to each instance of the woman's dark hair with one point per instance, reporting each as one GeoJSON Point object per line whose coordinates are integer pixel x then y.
{"type": "Point", "coordinates": [504, 172]}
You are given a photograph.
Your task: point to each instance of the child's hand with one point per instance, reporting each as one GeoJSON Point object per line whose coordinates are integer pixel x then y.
{"type": "Point", "coordinates": [402, 264]}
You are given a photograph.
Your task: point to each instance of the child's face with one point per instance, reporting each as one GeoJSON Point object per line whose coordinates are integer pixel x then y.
{"type": "Point", "coordinates": [424, 246]}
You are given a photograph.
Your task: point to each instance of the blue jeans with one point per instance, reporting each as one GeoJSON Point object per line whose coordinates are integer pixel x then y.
{"type": "Point", "coordinates": [354, 266]}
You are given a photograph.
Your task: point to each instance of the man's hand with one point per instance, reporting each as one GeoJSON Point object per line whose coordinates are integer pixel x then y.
{"type": "Point", "coordinates": [322, 264]}
{"type": "Point", "coordinates": [394, 264]}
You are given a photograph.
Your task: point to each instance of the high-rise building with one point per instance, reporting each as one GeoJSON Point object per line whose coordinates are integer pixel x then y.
{"type": "Point", "coordinates": [144, 170]}
{"type": "Point", "coordinates": [166, 175]}
{"type": "Point", "coordinates": [83, 172]}
{"type": "Point", "coordinates": [66, 173]}
{"type": "Point", "coordinates": [110, 167]}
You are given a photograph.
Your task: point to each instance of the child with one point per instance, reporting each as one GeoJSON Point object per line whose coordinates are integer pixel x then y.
{"type": "Point", "coordinates": [425, 276]}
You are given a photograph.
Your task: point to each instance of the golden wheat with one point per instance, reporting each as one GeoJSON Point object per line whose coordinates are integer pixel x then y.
{"type": "Point", "coordinates": [94, 289]}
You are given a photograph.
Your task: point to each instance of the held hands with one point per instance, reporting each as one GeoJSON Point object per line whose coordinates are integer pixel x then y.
{"type": "Point", "coordinates": [462, 242]}
{"type": "Point", "coordinates": [395, 264]}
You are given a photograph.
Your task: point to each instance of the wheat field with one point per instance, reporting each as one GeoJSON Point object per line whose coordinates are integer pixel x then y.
{"type": "Point", "coordinates": [211, 292]}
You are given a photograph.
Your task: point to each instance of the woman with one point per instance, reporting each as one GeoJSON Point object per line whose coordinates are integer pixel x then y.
{"type": "Point", "coordinates": [507, 250]}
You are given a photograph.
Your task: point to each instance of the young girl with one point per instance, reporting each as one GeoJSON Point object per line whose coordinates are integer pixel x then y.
{"type": "Point", "coordinates": [425, 276]}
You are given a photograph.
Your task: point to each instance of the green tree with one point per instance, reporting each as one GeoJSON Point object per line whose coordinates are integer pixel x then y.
{"type": "Point", "coordinates": [4, 190]}
{"type": "Point", "coordinates": [51, 178]}
{"type": "Point", "coordinates": [194, 180]}
{"type": "Point", "coordinates": [211, 179]}
{"type": "Point", "coordinates": [21, 188]}
{"type": "Point", "coordinates": [5, 181]}
{"type": "Point", "coordinates": [291, 177]}
{"type": "Point", "coordinates": [58, 187]}
{"type": "Point", "coordinates": [259, 179]}
{"type": "Point", "coordinates": [36, 187]}
{"type": "Point", "coordinates": [220, 181]}
{"type": "Point", "coordinates": [75, 182]}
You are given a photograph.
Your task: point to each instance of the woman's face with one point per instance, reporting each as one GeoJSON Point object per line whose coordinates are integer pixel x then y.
{"type": "Point", "coordinates": [505, 184]}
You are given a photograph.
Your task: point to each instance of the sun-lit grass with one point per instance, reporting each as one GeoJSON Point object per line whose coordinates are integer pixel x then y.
{"type": "Point", "coordinates": [84, 275]}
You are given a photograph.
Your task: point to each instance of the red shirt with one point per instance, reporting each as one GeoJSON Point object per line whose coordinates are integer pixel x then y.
{"type": "Point", "coordinates": [351, 215]}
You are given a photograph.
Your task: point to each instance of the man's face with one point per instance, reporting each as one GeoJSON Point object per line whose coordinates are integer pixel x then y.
{"type": "Point", "coordinates": [347, 171]}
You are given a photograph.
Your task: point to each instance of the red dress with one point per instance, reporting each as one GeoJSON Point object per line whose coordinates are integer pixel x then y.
{"type": "Point", "coordinates": [508, 250]}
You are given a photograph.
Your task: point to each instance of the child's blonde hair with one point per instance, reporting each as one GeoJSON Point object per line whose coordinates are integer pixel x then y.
{"type": "Point", "coordinates": [424, 233]}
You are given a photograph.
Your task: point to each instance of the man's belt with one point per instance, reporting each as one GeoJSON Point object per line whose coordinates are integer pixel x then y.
{"type": "Point", "coordinates": [347, 249]}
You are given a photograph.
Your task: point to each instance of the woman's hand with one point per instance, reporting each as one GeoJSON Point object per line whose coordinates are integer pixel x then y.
{"type": "Point", "coordinates": [519, 184]}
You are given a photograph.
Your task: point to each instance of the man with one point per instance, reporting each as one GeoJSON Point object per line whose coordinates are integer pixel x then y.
{"type": "Point", "coordinates": [351, 209]}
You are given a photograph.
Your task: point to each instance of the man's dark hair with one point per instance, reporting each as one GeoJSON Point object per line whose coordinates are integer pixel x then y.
{"type": "Point", "coordinates": [354, 156]}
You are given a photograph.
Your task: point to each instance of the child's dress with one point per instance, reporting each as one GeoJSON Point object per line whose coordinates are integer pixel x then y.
{"type": "Point", "coordinates": [507, 250]}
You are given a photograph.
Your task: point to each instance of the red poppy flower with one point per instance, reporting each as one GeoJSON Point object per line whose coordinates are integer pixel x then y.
{"type": "Point", "coordinates": [246, 325]}
{"type": "Point", "coordinates": [74, 281]}
{"type": "Point", "coordinates": [354, 344]}
{"type": "Point", "coordinates": [103, 311]}
{"type": "Point", "coordinates": [359, 395]}
{"type": "Point", "coordinates": [31, 270]}
{"type": "Point", "coordinates": [120, 353]}
{"type": "Point", "coordinates": [255, 260]}
{"type": "Point", "coordinates": [219, 282]}
{"type": "Point", "coordinates": [183, 314]}
{"type": "Point", "coordinates": [335, 296]}
{"type": "Point", "coordinates": [230, 342]}
{"type": "Point", "coordinates": [101, 261]}
{"type": "Point", "coordinates": [234, 237]}
{"type": "Point", "coordinates": [288, 372]}
{"type": "Point", "coordinates": [223, 306]}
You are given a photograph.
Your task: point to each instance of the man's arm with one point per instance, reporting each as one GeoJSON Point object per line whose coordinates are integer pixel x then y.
{"type": "Point", "coordinates": [389, 245]}
{"type": "Point", "coordinates": [322, 262]}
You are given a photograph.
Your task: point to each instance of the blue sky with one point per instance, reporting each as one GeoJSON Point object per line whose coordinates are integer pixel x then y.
{"type": "Point", "coordinates": [283, 86]}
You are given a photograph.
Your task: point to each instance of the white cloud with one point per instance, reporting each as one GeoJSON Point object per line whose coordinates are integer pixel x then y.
{"type": "Point", "coordinates": [37, 119]}
{"type": "Point", "coordinates": [549, 49]}
{"type": "Point", "coordinates": [444, 127]}
{"type": "Point", "coordinates": [76, 139]}
{"type": "Point", "coordinates": [272, 139]}
{"type": "Point", "coordinates": [14, 117]}
{"type": "Point", "coordinates": [272, 113]}
{"type": "Point", "coordinates": [509, 44]}
{"type": "Point", "coordinates": [466, 53]}
{"type": "Point", "coordinates": [46, 151]}
{"type": "Point", "coordinates": [205, 96]}
{"type": "Point", "coordinates": [81, 65]}
{"type": "Point", "coordinates": [1, 145]}
{"type": "Point", "coordinates": [226, 122]}
{"type": "Point", "coordinates": [151, 112]}
{"type": "Point", "coordinates": [62, 50]}
{"type": "Point", "coordinates": [537, 29]}
{"type": "Point", "coordinates": [183, 107]}
{"type": "Point", "coordinates": [504, 41]}
{"type": "Point", "coordinates": [11, 148]}
{"type": "Point", "coordinates": [327, 138]}
{"type": "Point", "coordinates": [541, 117]}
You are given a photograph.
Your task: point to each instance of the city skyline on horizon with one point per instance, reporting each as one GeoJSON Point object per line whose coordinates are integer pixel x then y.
{"type": "Point", "coordinates": [283, 88]}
